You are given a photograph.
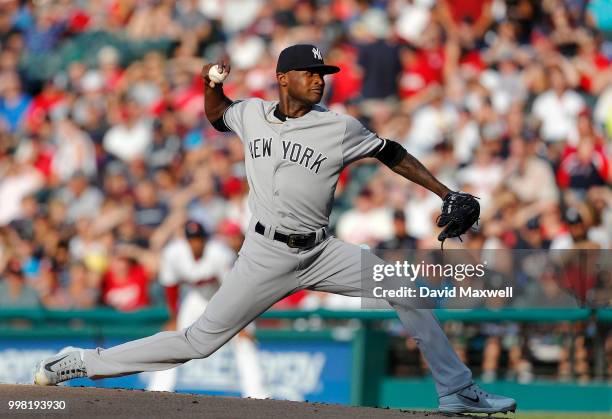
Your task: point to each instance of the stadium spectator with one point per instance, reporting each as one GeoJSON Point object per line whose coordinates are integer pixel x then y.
{"type": "Point", "coordinates": [149, 212]}
{"type": "Point", "coordinates": [347, 86]}
{"type": "Point", "coordinates": [401, 239]}
{"type": "Point", "coordinates": [83, 288]}
{"type": "Point", "coordinates": [482, 176]}
{"type": "Point", "coordinates": [585, 165]}
{"type": "Point", "coordinates": [18, 181]}
{"type": "Point", "coordinates": [431, 124]}
{"type": "Point", "coordinates": [378, 57]}
{"type": "Point", "coordinates": [600, 205]}
{"type": "Point", "coordinates": [368, 223]}
{"type": "Point", "coordinates": [466, 20]}
{"type": "Point", "coordinates": [14, 291]}
{"type": "Point", "coordinates": [81, 198]}
{"type": "Point", "coordinates": [125, 284]}
{"type": "Point", "coordinates": [74, 151]}
{"type": "Point", "coordinates": [528, 176]}
{"type": "Point", "coordinates": [45, 31]}
{"type": "Point", "coordinates": [557, 109]}
{"type": "Point", "coordinates": [14, 103]}
{"type": "Point", "coordinates": [131, 138]}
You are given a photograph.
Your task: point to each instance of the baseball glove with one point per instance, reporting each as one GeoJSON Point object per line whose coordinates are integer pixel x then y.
{"type": "Point", "coordinates": [460, 211]}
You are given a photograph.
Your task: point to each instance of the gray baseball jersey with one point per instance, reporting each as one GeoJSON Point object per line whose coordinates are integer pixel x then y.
{"type": "Point", "coordinates": [293, 166]}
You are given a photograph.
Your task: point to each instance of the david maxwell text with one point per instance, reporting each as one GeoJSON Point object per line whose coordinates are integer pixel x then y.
{"type": "Point", "coordinates": [447, 292]}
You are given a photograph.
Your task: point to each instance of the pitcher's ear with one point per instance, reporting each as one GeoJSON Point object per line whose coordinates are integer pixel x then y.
{"type": "Point", "coordinates": [282, 79]}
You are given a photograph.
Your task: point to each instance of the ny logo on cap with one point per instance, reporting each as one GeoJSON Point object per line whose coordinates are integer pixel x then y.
{"type": "Point", "coordinates": [317, 54]}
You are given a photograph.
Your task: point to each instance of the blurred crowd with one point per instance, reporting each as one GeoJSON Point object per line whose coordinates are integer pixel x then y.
{"type": "Point", "coordinates": [103, 160]}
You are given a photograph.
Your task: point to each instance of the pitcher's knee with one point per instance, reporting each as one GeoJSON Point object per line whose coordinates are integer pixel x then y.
{"type": "Point", "coordinates": [203, 343]}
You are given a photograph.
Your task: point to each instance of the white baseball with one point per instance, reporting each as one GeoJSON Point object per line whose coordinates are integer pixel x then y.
{"type": "Point", "coordinates": [216, 75]}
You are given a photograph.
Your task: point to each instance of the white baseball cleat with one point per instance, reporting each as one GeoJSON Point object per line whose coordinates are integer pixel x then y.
{"type": "Point", "coordinates": [66, 365]}
{"type": "Point", "coordinates": [473, 399]}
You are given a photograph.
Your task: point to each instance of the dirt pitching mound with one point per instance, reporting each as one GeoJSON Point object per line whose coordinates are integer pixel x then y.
{"type": "Point", "coordinates": [89, 402]}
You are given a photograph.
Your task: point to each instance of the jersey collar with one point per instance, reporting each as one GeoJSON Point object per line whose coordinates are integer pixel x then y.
{"type": "Point", "coordinates": [282, 117]}
{"type": "Point", "coordinates": [279, 115]}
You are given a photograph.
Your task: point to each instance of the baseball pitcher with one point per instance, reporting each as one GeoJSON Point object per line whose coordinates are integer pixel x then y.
{"type": "Point", "coordinates": [295, 150]}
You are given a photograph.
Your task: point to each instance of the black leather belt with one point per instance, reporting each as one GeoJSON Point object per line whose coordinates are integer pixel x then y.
{"type": "Point", "coordinates": [299, 241]}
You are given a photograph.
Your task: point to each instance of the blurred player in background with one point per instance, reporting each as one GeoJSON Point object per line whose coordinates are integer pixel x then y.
{"type": "Point", "coordinates": [198, 264]}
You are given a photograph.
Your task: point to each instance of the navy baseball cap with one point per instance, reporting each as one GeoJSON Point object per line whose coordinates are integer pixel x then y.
{"type": "Point", "coordinates": [303, 57]}
{"type": "Point", "coordinates": [193, 229]}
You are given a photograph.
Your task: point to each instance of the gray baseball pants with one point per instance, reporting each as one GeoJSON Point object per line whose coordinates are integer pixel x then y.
{"type": "Point", "coordinates": [265, 272]}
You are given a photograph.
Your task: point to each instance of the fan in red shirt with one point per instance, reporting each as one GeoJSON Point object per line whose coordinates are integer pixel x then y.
{"type": "Point", "coordinates": [591, 64]}
{"type": "Point", "coordinates": [423, 64]}
{"type": "Point", "coordinates": [125, 285]}
{"type": "Point", "coordinates": [41, 155]}
{"type": "Point", "coordinates": [422, 68]}
{"type": "Point", "coordinates": [466, 19]}
{"type": "Point", "coordinates": [49, 98]}
{"type": "Point", "coordinates": [347, 83]}
{"type": "Point", "coordinates": [586, 164]}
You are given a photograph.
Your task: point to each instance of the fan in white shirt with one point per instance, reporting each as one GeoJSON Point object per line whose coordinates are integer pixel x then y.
{"type": "Point", "coordinates": [132, 138]}
{"type": "Point", "coordinates": [557, 109]}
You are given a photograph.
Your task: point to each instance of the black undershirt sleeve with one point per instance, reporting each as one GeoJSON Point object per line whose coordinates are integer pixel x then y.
{"type": "Point", "coordinates": [390, 153]}
{"type": "Point", "coordinates": [219, 125]}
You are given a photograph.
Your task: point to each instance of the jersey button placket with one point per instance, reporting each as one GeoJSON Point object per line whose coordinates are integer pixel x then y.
{"type": "Point", "coordinates": [276, 192]}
